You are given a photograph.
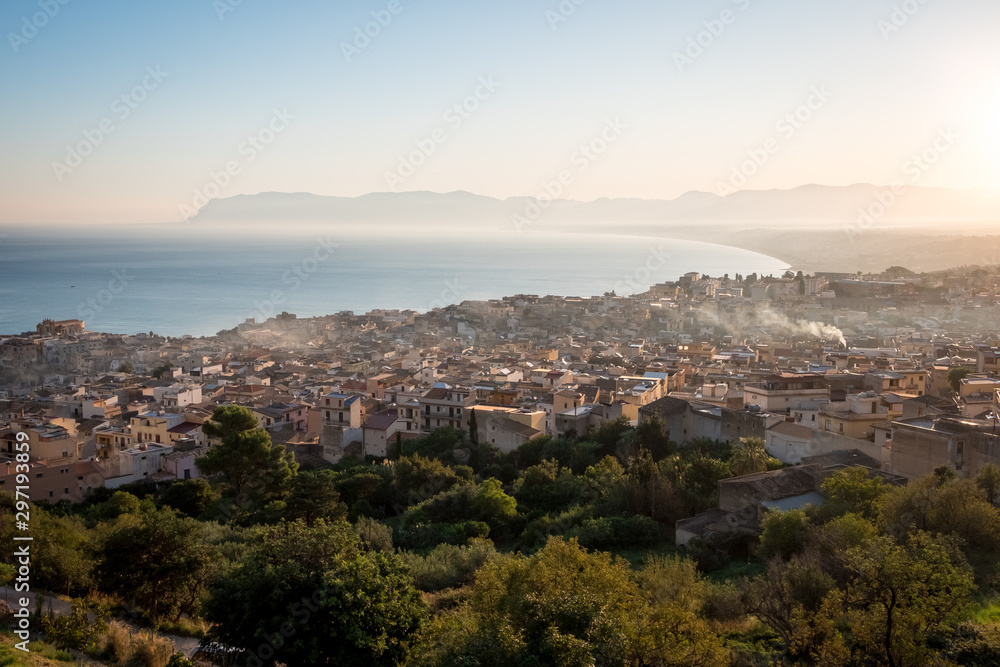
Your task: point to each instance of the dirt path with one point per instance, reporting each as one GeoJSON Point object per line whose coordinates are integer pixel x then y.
{"type": "Point", "coordinates": [58, 607]}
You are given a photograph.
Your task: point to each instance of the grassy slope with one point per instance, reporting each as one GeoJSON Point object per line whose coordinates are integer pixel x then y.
{"type": "Point", "coordinates": [41, 655]}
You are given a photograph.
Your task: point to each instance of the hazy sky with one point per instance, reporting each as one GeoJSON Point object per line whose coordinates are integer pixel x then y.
{"type": "Point", "coordinates": [119, 111]}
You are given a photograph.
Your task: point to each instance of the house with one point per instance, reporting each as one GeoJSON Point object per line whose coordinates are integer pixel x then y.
{"type": "Point", "coordinates": [49, 440]}
{"type": "Point", "coordinates": [506, 432]}
{"type": "Point", "coordinates": [276, 415]}
{"type": "Point", "coordinates": [788, 442]}
{"type": "Point", "coordinates": [341, 409]}
{"type": "Point", "coordinates": [377, 431]}
{"type": "Point", "coordinates": [922, 444]}
{"type": "Point", "coordinates": [797, 486]}
{"type": "Point", "coordinates": [54, 481]}
{"type": "Point", "coordinates": [858, 420]}
{"type": "Point", "coordinates": [445, 406]}
{"type": "Point", "coordinates": [781, 393]}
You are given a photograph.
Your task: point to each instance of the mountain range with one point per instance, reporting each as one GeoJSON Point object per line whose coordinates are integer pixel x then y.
{"type": "Point", "coordinates": [805, 207]}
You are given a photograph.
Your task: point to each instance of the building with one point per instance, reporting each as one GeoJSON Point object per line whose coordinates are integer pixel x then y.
{"type": "Point", "coordinates": [781, 393]}
{"type": "Point", "coordinates": [922, 444]}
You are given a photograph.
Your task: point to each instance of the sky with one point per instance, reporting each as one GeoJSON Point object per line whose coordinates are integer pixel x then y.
{"type": "Point", "coordinates": [138, 112]}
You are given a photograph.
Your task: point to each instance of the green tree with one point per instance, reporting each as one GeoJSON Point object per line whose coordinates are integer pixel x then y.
{"type": "Point", "coordinates": [312, 496]}
{"type": "Point", "coordinates": [955, 377]}
{"type": "Point", "coordinates": [473, 427]}
{"type": "Point", "coordinates": [561, 606]}
{"type": "Point", "coordinates": [228, 421]}
{"type": "Point", "coordinates": [749, 456]}
{"type": "Point", "coordinates": [988, 479]}
{"type": "Point", "coordinates": [126, 367]}
{"type": "Point", "coordinates": [189, 497]}
{"type": "Point", "coordinates": [156, 559]}
{"type": "Point", "coordinates": [651, 434]}
{"type": "Point", "coordinates": [854, 490]}
{"type": "Point", "coordinates": [954, 507]}
{"type": "Point", "coordinates": [313, 596]}
{"type": "Point", "coordinates": [60, 552]}
{"type": "Point", "coordinates": [253, 469]}
{"type": "Point", "coordinates": [492, 505]}
{"type": "Point", "coordinates": [699, 481]}
{"type": "Point", "coordinates": [784, 534]}
{"type": "Point", "coordinates": [903, 593]}
{"type": "Point", "coordinates": [160, 371]}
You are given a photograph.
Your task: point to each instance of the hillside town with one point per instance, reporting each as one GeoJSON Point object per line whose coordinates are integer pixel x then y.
{"type": "Point", "coordinates": [900, 370]}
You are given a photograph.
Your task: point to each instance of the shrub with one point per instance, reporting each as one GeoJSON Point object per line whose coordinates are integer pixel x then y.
{"type": "Point", "coordinates": [121, 647]}
{"type": "Point", "coordinates": [617, 532]}
{"type": "Point", "coordinates": [375, 536]}
{"type": "Point", "coordinates": [449, 566]}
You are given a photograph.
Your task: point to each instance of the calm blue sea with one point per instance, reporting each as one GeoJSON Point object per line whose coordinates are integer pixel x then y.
{"type": "Point", "coordinates": [133, 279]}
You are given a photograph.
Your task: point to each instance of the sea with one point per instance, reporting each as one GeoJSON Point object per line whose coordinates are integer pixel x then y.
{"type": "Point", "coordinates": [132, 279]}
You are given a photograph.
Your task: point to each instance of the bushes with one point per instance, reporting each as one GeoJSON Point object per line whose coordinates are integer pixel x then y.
{"type": "Point", "coordinates": [449, 566]}
{"type": "Point", "coordinates": [374, 535]}
{"type": "Point", "coordinates": [617, 532]}
{"type": "Point", "coordinates": [784, 533]}
{"type": "Point", "coordinates": [427, 535]}
{"type": "Point", "coordinates": [121, 647]}
{"type": "Point", "coordinates": [73, 630]}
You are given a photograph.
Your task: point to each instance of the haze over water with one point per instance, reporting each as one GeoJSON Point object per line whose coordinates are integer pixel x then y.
{"type": "Point", "coordinates": [136, 279]}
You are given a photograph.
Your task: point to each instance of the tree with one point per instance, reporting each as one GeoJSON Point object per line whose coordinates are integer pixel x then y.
{"type": "Point", "coordinates": [565, 605]}
{"type": "Point", "coordinates": [854, 490]}
{"type": "Point", "coordinates": [492, 505]}
{"type": "Point", "coordinates": [651, 434]}
{"type": "Point", "coordinates": [699, 481]}
{"type": "Point", "coordinates": [189, 497]}
{"type": "Point", "coordinates": [988, 479]}
{"type": "Point", "coordinates": [749, 456]}
{"type": "Point", "coordinates": [311, 595]}
{"type": "Point", "coordinates": [955, 507]}
{"type": "Point", "coordinates": [156, 559]}
{"type": "Point", "coordinates": [253, 469]}
{"type": "Point", "coordinates": [60, 558]}
{"type": "Point", "coordinates": [126, 367]}
{"type": "Point", "coordinates": [312, 496]}
{"type": "Point", "coordinates": [160, 371]}
{"type": "Point", "coordinates": [955, 377]}
{"type": "Point", "coordinates": [784, 534]}
{"type": "Point", "coordinates": [903, 593]}
{"type": "Point", "coordinates": [229, 420]}
{"type": "Point", "coordinates": [473, 428]}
